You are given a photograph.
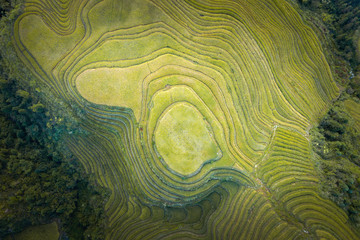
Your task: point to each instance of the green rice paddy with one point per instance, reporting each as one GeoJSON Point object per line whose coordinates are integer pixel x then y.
{"type": "Point", "coordinates": [354, 109]}
{"type": "Point", "coordinates": [197, 111]}
{"type": "Point", "coordinates": [47, 231]}
{"type": "Point", "coordinates": [183, 139]}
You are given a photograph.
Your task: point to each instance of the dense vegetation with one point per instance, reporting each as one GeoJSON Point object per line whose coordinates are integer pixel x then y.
{"type": "Point", "coordinates": [340, 22]}
{"type": "Point", "coordinates": [336, 139]}
{"type": "Point", "coordinates": [41, 181]}
{"type": "Point", "coordinates": [342, 18]}
{"type": "Point", "coordinates": [337, 142]}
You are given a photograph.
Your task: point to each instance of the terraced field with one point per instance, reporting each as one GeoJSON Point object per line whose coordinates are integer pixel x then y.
{"type": "Point", "coordinates": [198, 113]}
{"type": "Point", "coordinates": [354, 109]}
{"type": "Point", "coordinates": [48, 231]}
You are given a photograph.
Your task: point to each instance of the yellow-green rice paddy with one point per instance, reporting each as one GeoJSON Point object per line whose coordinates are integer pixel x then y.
{"type": "Point", "coordinates": [184, 139]}
{"type": "Point", "coordinates": [197, 110]}
{"type": "Point", "coordinates": [354, 109]}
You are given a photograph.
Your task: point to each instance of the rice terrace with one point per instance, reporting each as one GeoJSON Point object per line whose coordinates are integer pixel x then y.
{"type": "Point", "coordinates": [198, 113]}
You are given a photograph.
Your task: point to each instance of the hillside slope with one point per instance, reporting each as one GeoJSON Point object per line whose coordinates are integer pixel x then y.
{"type": "Point", "coordinates": [198, 113]}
